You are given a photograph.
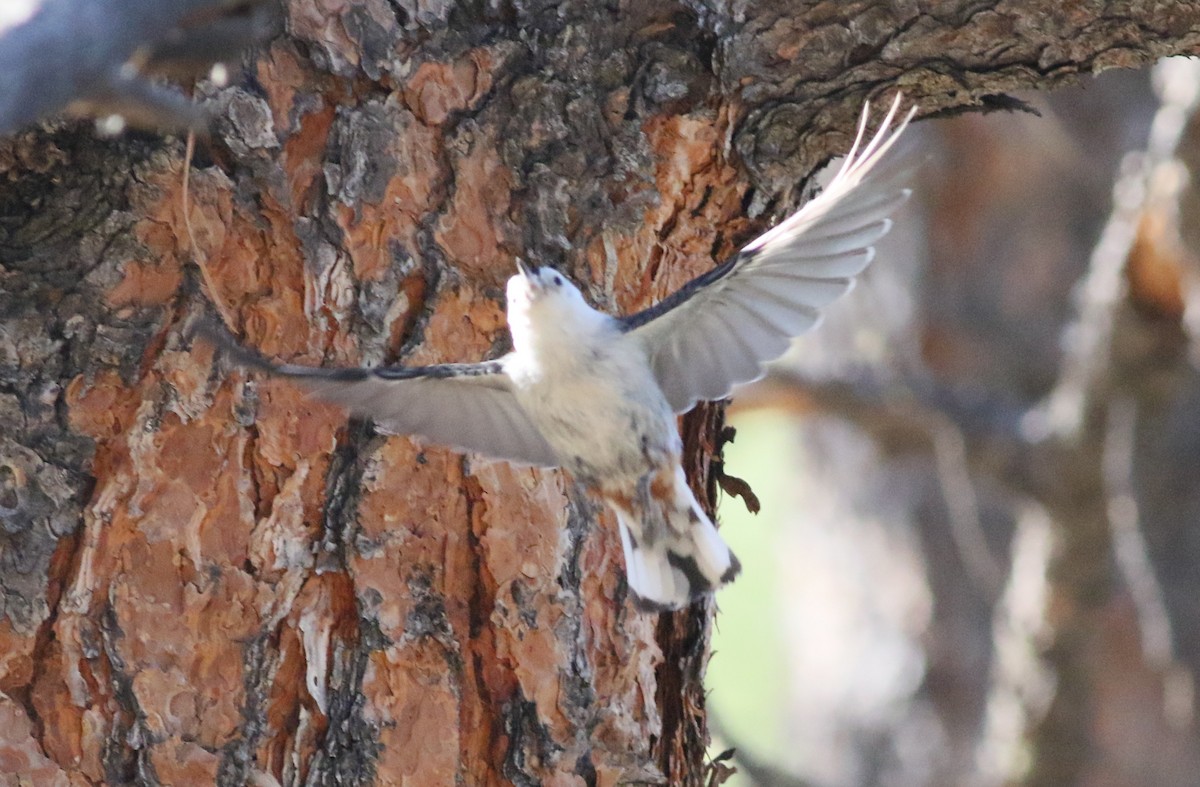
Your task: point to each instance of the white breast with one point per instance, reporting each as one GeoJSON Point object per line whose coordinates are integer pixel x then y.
{"type": "Point", "coordinates": [597, 403]}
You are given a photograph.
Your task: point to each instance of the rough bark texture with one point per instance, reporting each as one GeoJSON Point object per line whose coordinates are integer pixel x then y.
{"type": "Point", "coordinates": [207, 578]}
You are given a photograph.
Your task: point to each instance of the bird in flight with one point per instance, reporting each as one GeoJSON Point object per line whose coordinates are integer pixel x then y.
{"type": "Point", "coordinates": [598, 394]}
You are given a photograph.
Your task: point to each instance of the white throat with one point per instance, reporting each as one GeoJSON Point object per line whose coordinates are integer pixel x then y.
{"type": "Point", "coordinates": [551, 323]}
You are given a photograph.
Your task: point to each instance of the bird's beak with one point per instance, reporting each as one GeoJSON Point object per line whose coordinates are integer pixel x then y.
{"type": "Point", "coordinates": [525, 270]}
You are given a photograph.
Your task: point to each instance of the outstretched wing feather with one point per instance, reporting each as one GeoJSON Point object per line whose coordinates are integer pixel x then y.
{"type": "Point", "coordinates": [476, 412]}
{"type": "Point", "coordinates": [471, 407]}
{"type": "Point", "coordinates": [723, 326]}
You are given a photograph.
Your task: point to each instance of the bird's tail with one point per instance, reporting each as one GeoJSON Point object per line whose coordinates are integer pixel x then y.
{"type": "Point", "coordinates": [673, 553]}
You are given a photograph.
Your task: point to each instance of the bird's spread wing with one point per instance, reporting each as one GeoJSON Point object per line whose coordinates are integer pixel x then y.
{"type": "Point", "coordinates": [720, 328]}
{"type": "Point", "coordinates": [470, 406]}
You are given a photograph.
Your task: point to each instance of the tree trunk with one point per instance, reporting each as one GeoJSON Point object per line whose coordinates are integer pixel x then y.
{"type": "Point", "coordinates": [206, 576]}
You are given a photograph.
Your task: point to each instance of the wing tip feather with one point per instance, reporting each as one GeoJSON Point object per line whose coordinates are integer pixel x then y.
{"type": "Point", "coordinates": [675, 363]}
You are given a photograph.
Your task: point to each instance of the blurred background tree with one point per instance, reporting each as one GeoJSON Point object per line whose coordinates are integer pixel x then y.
{"type": "Point", "coordinates": [976, 561]}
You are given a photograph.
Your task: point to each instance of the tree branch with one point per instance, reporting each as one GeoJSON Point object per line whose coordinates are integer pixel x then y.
{"type": "Point", "coordinates": [91, 57]}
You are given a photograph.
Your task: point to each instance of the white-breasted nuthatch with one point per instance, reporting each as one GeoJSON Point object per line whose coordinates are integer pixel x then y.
{"type": "Point", "coordinates": [598, 394]}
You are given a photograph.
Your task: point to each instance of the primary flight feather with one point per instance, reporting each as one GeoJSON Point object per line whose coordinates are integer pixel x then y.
{"type": "Point", "coordinates": [598, 394]}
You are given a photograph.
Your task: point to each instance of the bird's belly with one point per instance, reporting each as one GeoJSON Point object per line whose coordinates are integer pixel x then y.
{"type": "Point", "coordinates": [606, 430]}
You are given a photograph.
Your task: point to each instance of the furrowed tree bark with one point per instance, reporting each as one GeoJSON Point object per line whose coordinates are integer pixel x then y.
{"type": "Point", "coordinates": [207, 577]}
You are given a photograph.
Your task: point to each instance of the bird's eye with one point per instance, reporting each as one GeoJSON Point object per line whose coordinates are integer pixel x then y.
{"type": "Point", "coordinates": [558, 281]}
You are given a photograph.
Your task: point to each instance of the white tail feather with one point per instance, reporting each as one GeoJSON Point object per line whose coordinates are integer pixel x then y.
{"type": "Point", "coordinates": [677, 559]}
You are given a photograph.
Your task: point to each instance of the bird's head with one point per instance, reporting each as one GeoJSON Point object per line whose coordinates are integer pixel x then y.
{"type": "Point", "coordinates": [543, 290]}
{"type": "Point", "coordinates": [545, 309]}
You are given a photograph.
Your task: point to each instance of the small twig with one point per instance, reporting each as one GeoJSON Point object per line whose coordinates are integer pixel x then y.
{"type": "Point", "coordinates": [1133, 559]}
{"type": "Point", "coordinates": [761, 772]}
{"type": "Point", "coordinates": [962, 506]}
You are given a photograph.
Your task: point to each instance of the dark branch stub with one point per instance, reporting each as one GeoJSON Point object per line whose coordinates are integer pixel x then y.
{"type": "Point", "coordinates": [94, 59]}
